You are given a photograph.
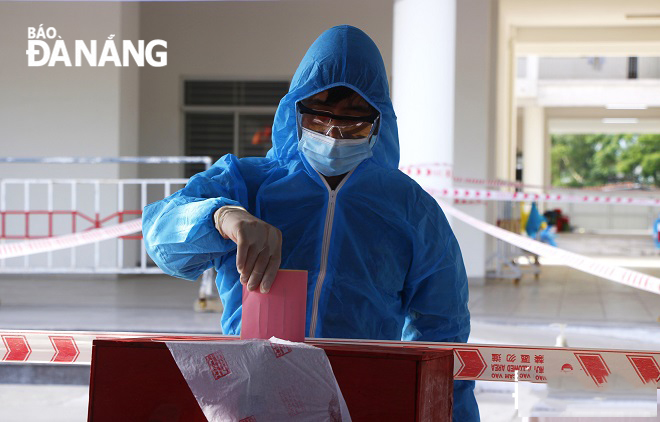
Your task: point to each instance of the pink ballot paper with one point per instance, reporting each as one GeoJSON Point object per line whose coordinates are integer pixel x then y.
{"type": "Point", "coordinates": [280, 312]}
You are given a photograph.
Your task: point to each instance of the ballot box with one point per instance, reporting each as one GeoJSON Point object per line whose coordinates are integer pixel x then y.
{"type": "Point", "coordinates": [137, 379]}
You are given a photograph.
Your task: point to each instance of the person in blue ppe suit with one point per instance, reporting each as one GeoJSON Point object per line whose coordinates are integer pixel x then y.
{"type": "Point", "coordinates": [382, 260]}
{"type": "Point", "coordinates": [534, 221]}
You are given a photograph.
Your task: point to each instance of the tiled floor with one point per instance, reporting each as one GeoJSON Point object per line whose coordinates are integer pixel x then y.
{"type": "Point", "coordinates": [148, 303]}
{"type": "Point", "coordinates": [562, 294]}
{"type": "Point", "coordinates": [43, 403]}
{"type": "Point", "coordinates": [165, 304]}
{"type": "Point", "coordinates": [597, 313]}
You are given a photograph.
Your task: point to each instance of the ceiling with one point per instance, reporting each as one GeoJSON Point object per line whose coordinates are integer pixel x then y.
{"type": "Point", "coordinates": [535, 13]}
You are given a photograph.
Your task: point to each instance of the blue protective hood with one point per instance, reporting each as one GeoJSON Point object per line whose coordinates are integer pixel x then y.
{"type": "Point", "coordinates": [342, 55]}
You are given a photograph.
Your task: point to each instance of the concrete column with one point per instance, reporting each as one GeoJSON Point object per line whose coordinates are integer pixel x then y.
{"type": "Point", "coordinates": [443, 87]}
{"type": "Point", "coordinates": [505, 147]}
{"type": "Point", "coordinates": [533, 146]}
{"type": "Point", "coordinates": [474, 120]}
{"type": "Point", "coordinates": [424, 40]}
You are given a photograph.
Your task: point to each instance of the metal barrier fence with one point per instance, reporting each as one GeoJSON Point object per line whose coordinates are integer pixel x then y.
{"type": "Point", "coordinates": [93, 203]}
{"type": "Point", "coordinates": [42, 208]}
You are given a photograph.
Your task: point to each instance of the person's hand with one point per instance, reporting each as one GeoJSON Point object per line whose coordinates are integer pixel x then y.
{"type": "Point", "coordinates": [259, 246]}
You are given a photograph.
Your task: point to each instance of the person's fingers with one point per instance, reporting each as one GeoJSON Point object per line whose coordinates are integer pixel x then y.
{"type": "Point", "coordinates": [250, 259]}
{"type": "Point", "coordinates": [259, 270]}
{"type": "Point", "coordinates": [242, 246]}
{"type": "Point", "coordinates": [271, 272]}
{"type": "Point", "coordinates": [256, 243]}
{"type": "Point", "coordinates": [275, 242]}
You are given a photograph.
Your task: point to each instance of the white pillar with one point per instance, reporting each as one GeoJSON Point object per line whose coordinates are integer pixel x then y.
{"type": "Point", "coordinates": [474, 138]}
{"type": "Point", "coordinates": [423, 80]}
{"type": "Point", "coordinates": [533, 146]}
{"type": "Point", "coordinates": [443, 79]}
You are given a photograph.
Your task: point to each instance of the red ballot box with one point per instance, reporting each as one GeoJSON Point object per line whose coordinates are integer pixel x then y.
{"type": "Point", "coordinates": [138, 380]}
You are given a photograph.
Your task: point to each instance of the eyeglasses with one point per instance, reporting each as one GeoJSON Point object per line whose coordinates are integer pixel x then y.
{"type": "Point", "coordinates": [350, 127]}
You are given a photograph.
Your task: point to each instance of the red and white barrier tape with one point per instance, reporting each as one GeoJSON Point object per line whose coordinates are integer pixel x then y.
{"type": "Point", "coordinates": [414, 167]}
{"type": "Point", "coordinates": [56, 346]}
{"type": "Point", "coordinates": [11, 250]}
{"type": "Point", "coordinates": [493, 195]}
{"type": "Point", "coordinates": [487, 362]}
{"type": "Point", "coordinates": [579, 262]}
{"type": "Point", "coordinates": [444, 170]}
{"type": "Point", "coordinates": [497, 362]}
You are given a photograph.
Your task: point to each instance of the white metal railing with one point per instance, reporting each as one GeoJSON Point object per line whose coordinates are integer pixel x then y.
{"type": "Point", "coordinates": [110, 201]}
{"type": "Point", "coordinates": [108, 160]}
{"type": "Point", "coordinates": [38, 208]}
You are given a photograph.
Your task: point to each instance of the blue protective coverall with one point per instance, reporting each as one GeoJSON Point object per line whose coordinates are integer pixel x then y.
{"type": "Point", "coordinates": [534, 221]}
{"type": "Point", "coordinates": [382, 260]}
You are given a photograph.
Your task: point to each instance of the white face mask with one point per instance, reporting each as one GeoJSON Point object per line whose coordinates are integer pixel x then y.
{"type": "Point", "coordinates": [330, 156]}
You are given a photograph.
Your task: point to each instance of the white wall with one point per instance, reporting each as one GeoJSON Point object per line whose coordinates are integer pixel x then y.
{"type": "Point", "coordinates": [57, 111]}
{"type": "Point", "coordinates": [65, 111]}
{"type": "Point", "coordinates": [533, 134]}
{"type": "Point", "coordinates": [235, 40]}
{"type": "Point", "coordinates": [129, 91]}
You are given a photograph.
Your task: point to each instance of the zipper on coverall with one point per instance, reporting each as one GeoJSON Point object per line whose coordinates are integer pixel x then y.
{"type": "Point", "coordinates": [325, 249]}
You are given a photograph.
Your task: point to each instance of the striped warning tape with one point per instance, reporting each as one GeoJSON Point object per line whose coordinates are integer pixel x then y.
{"type": "Point", "coordinates": [486, 362]}
{"type": "Point", "coordinates": [444, 170]}
{"type": "Point", "coordinates": [579, 262]}
{"type": "Point", "coordinates": [11, 250]}
{"type": "Point", "coordinates": [73, 347]}
{"type": "Point", "coordinates": [496, 362]}
{"type": "Point", "coordinates": [493, 195]}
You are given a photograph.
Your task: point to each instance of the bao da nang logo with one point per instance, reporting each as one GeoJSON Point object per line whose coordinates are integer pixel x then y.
{"type": "Point", "coordinates": [41, 53]}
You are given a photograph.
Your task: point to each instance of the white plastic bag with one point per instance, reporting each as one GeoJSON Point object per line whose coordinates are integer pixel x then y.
{"type": "Point", "coordinates": [260, 381]}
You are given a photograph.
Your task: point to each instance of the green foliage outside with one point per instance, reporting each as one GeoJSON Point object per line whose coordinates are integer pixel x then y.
{"type": "Point", "coordinates": [594, 160]}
